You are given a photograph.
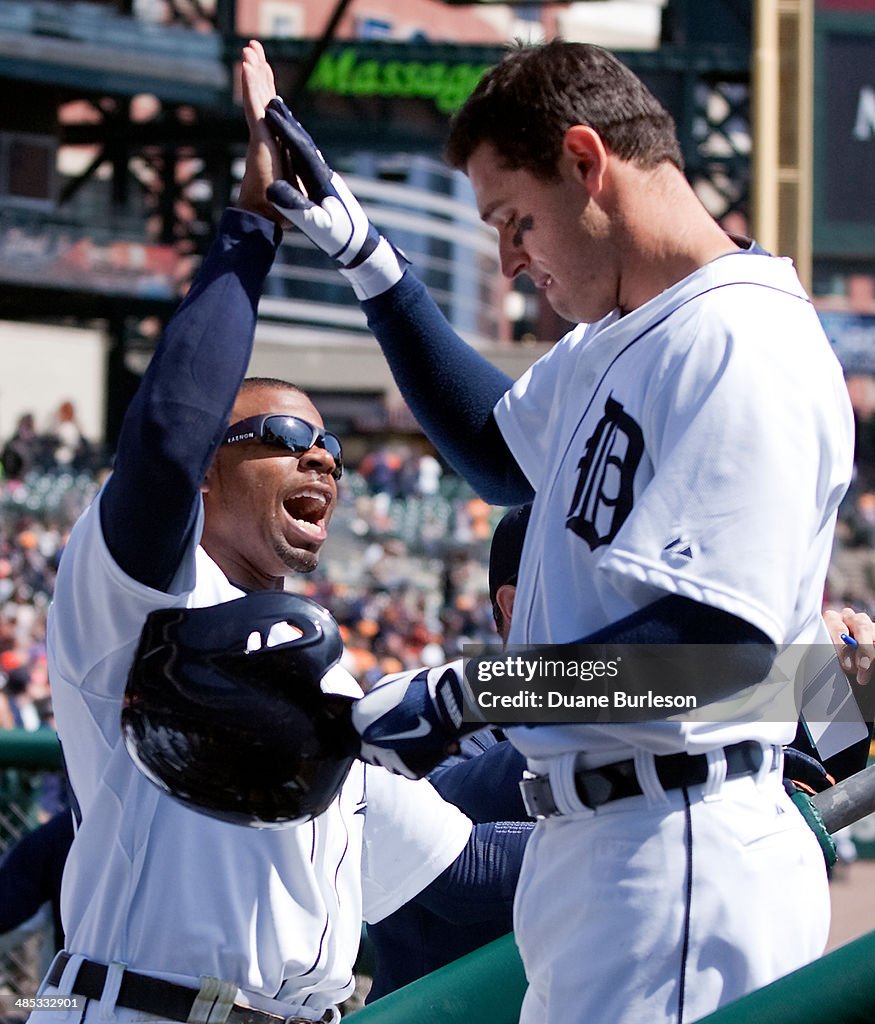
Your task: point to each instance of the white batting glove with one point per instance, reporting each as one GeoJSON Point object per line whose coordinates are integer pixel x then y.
{"type": "Point", "coordinates": [409, 722]}
{"type": "Point", "coordinates": [320, 204]}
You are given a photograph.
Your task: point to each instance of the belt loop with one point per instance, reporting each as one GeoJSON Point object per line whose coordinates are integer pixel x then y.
{"type": "Point", "coordinates": [773, 758]}
{"type": "Point", "coordinates": [717, 770]}
{"type": "Point", "coordinates": [648, 779]}
{"type": "Point", "coordinates": [562, 783]}
{"type": "Point", "coordinates": [115, 971]}
{"type": "Point", "coordinates": [213, 1002]}
{"type": "Point", "coordinates": [72, 962]}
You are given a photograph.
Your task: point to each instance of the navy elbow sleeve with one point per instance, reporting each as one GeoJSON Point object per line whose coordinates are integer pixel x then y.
{"type": "Point", "coordinates": [480, 884]}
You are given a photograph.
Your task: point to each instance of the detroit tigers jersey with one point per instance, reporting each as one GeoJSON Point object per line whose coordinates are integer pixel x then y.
{"type": "Point", "coordinates": [174, 893]}
{"type": "Point", "coordinates": [697, 446]}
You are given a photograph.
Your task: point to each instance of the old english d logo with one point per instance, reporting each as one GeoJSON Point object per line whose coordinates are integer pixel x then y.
{"type": "Point", "coordinates": [603, 496]}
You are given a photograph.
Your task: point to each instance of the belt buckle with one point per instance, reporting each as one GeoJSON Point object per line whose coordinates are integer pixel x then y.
{"type": "Point", "coordinates": [537, 795]}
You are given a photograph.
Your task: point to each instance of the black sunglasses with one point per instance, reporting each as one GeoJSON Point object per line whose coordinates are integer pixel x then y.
{"type": "Point", "coordinates": [290, 432]}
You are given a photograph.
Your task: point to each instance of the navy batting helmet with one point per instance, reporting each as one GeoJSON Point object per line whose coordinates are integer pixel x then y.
{"type": "Point", "coordinates": [507, 548]}
{"type": "Point", "coordinates": [231, 726]}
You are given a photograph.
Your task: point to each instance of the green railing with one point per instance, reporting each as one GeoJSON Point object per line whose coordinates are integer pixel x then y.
{"type": "Point", "coordinates": [487, 986]}
{"type": "Point", "coordinates": [36, 751]}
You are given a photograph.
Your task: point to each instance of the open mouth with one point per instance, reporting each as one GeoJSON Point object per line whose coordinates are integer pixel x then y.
{"type": "Point", "coordinates": [308, 509]}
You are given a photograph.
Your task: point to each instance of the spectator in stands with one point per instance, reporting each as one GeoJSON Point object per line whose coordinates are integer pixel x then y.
{"type": "Point", "coordinates": [21, 613]}
{"type": "Point", "coordinates": [21, 703]}
{"type": "Point", "coordinates": [21, 450]}
{"type": "Point", "coordinates": [380, 468]}
{"type": "Point", "coordinates": [428, 475]}
{"type": "Point", "coordinates": [71, 449]}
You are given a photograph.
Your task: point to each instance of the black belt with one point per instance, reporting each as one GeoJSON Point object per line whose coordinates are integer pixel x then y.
{"type": "Point", "coordinates": [154, 995]}
{"type": "Point", "coordinates": [597, 786]}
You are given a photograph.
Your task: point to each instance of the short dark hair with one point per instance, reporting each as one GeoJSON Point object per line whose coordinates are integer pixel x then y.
{"type": "Point", "coordinates": [254, 383]}
{"type": "Point", "coordinates": [525, 104]}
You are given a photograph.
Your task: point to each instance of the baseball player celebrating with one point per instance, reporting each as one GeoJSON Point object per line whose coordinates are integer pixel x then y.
{"type": "Point", "coordinates": [171, 915]}
{"type": "Point", "coordinates": [687, 446]}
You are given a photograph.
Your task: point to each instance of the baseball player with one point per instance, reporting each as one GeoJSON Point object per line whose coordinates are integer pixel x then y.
{"type": "Point", "coordinates": [686, 446]}
{"type": "Point", "coordinates": [483, 781]}
{"type": "Point", "coordinates": [171, 915]}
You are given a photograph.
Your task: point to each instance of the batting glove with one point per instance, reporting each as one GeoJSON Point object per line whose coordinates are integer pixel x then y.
{"type": "Point", "coordinates": [320, 204]}
{"type": "Point", "coordinates": [409, 722]}
{"type": "Point", "coordinates": [804, 772]}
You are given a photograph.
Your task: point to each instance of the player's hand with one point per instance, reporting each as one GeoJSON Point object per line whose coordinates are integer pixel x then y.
{"type": "Point", "coordinates": [264, 162]}
{"type": "Point", "coordinates": [858, 660]}
{"type": "Point", "coordinates": [411, 721]}
{"type": "Point", "coordinates": [317, 201]}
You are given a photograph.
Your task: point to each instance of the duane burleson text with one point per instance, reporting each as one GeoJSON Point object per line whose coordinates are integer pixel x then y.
{"type": "Point", "coordinates": [555, 699]}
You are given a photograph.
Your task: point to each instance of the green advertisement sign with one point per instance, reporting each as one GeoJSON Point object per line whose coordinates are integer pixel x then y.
{"type": "Point", "coordinates": [448, 85]}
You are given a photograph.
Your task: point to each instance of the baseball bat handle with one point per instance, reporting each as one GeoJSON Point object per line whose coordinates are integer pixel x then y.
{"type": "Point", "coordinates": [847, 801]}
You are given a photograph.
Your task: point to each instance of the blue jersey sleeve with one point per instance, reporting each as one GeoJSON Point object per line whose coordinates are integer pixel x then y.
{"type": "Point", "coordinates": [180, 412]}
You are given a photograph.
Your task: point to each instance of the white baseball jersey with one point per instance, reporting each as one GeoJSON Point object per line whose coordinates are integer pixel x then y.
{"type": "Point", "coordinates": [174, 893]}
{"type": "Point", "coordinates": [699, 446]}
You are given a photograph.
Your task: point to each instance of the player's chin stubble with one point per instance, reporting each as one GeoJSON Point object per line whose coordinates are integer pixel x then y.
{"type": "Point", "coordinates": [296, 559]}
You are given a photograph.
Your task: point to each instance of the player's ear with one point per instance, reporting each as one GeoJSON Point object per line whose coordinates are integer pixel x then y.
{"type": "Point", "coordinates": [504, 598]}
{"type": "Point", "coordinates": [584, 151]}
{"type": "Point", "coordinates": [209, 476]}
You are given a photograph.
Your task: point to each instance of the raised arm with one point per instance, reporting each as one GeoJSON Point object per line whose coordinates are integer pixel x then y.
{"type": "Point", "coordinates": [179, 414]}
